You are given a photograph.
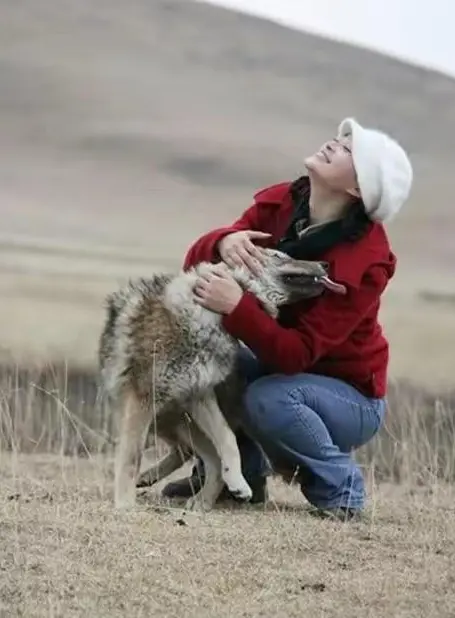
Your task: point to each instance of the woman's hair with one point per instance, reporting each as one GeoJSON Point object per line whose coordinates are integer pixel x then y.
{"type": "Point", "coordinates": [355, 223]}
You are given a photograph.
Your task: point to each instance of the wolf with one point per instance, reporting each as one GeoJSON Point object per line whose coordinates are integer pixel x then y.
{"type": "Point", "coordinates": [165, 361]}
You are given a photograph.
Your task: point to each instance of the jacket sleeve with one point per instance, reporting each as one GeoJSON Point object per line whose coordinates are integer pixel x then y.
{"type": "Point", "coordinates": [325, 326]}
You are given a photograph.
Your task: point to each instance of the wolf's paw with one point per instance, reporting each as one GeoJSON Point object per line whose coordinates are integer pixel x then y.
{"type": "Point", "coordinates": [237, 485]}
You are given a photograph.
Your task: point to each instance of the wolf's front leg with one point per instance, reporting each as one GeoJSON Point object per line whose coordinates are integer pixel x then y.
{"type": "Point", "coordinates": [209, 418]}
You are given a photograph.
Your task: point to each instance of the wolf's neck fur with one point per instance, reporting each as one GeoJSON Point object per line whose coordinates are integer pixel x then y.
{"type": "Point", "coordinates": [250, 283]}
{"type": "Point", "coordinates": [179, 295]}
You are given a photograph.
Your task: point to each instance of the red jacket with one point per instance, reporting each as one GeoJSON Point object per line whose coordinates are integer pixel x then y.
{"type": "Point", "coordinates": [332, 335]}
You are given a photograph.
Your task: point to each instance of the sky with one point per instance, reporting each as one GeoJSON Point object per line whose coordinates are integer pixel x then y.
{"type": "Point", "coordinates": [416, 31]}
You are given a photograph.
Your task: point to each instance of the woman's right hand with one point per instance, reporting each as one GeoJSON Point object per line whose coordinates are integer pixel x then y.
{"type": "Point", "coordinates": [237, 249]}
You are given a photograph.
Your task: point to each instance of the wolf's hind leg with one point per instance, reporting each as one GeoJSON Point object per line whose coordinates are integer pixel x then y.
{"type": "Point", "coordinates": [134, 424]}
{"type": "Point", "coordinates": [153, 471]}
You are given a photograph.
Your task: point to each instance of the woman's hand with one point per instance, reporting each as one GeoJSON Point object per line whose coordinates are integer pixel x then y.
{"type": "Point", "coordinates": [218, 290]}
{"type": "Point", "coordinates": [237, 249]}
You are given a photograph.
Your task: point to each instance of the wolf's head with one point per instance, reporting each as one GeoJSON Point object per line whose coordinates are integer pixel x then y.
{"type": "Point", "coordinates": [284, 280]}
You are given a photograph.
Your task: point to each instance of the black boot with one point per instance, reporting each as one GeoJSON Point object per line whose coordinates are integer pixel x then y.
{"type": "Point", "coordinates": [341, 513]}
{"type": "Point", "coordinates": [187, 487]}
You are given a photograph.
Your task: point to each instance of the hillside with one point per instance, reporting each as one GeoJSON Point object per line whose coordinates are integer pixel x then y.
{"type": "Point", "coordinates": [130, 128]}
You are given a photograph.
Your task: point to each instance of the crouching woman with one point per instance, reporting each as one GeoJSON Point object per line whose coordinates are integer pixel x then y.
{"type": "Point", "coordinates": [318, 374]}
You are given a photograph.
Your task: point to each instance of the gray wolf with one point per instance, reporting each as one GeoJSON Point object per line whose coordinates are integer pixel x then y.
{"type": "Point", "coordinates": [162, 358]}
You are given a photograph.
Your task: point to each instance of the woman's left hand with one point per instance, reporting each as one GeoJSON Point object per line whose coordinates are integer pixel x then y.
{"type": "Point", "coordinates": [218, 291]}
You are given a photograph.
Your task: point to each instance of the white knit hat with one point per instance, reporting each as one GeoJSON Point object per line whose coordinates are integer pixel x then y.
{"type": "Point", "coordinates": [384, 172]}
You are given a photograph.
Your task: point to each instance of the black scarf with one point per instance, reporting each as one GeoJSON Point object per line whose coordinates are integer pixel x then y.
{"type": "Point", "coordinates": [316, 243]}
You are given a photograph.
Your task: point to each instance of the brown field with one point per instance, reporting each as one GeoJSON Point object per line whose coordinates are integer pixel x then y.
{"type": "Point", "coordinates": [68, 554]}
{"type": "Point", "coordinates": [128, 129]}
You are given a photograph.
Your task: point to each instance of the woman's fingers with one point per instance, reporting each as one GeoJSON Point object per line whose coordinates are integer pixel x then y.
{"type": "Point", "coordinates": [257, 234]}
{"type": "Point", "coordinates": [199, 289]}
{"type": "Point", "coordinates": [243, 254]}
{"type": "Point", "coordinates": [249, 260]}
{"type": "Point", "coordinates": [255, 252]}
{"type": "Point", "coordinates": [233, 258]}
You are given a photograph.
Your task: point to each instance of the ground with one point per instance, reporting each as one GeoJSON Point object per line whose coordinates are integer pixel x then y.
{"type": "Point", "coordinates": [68, 553]}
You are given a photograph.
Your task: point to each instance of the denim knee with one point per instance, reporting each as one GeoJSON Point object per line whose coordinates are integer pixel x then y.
{"type": "Point", "coordinates": [260, 407]}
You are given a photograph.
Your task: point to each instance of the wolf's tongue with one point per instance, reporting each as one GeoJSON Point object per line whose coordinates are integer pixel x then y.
{"type": "Point", "coordinates": [338, 288]}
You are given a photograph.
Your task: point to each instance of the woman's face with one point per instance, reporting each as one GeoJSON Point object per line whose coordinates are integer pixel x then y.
{"type": "Point", "coordinates": [333, 166]}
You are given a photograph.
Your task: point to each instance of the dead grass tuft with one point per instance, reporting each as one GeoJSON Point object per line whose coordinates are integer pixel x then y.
{"type": "Point", "coordinates": [53, 408]}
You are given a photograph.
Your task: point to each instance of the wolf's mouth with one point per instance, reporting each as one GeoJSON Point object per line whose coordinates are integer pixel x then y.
{"type": "Point", "coordinates": [333, 286]}
{"type": "Point", "coordinates": [302, 280]}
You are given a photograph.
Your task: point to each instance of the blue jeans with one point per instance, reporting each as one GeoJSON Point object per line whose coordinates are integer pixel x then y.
{"type": "Point", "coordinates": [311, 423]}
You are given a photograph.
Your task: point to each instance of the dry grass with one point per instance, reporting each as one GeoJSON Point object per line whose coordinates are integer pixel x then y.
{"type": "Point", "coordinates": [64, 550]}
{"type": "Point", "coordinates": [54, 408]}
{"type": "Point", "coordinates": [67, 553]}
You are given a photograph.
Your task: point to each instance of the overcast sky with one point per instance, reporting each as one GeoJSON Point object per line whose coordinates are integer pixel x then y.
{"type": "Point", "coordinates": [418, 31]}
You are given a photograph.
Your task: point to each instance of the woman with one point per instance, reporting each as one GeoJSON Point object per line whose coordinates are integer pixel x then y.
{"type": "Point", "coordinates": [317, 376]}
